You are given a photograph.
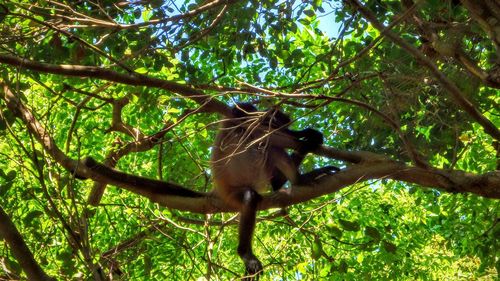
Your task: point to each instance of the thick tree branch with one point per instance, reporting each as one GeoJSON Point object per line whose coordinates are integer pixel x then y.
{"type": "Point", "coordinates": [455, 92]}
{"type": "Point", "coordinates": [370, 166]}
{"type": "Point", "coordinates": [20, 250]}
{"type": "Point", "coordinates": [487, 185]}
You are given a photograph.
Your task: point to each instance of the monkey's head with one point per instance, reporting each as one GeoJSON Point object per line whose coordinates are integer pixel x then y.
{"type": "Point", "coordinates": [273, 116]}
{"type": "Point", "coordinates": [242, 109]}
{"type": "Point", "coordinates": [277, 119]}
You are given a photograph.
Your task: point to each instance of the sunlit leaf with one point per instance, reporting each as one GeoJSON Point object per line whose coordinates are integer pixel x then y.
{"type": "Point", "coordinates": [316, 249]}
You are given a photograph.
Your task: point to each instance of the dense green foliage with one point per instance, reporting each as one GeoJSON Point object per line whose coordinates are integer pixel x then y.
{"type": "Point", "coordinates": [363, 91]}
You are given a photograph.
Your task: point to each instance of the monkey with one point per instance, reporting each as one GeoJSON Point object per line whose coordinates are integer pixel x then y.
{"type": "Point", "coordinates": [248, 158]}
{"type": "Point", "coordinates": [244, 163]}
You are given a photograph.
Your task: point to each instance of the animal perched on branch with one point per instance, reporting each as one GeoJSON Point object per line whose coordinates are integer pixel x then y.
{"type": "Point", "coordinates": [249, 156]}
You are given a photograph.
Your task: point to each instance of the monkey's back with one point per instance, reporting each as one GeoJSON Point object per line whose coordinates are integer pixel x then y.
{"type": "Point", "coordinates": [238, 164]}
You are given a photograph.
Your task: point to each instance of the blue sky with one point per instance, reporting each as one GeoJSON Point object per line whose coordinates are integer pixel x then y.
{"type": "Point", "coordinates": [327, 22]}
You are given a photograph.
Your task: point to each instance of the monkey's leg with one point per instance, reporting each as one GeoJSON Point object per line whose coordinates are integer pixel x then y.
{"type": "Point", "coordinates": [278, 178]}
{"type": "Point", "coordinates": [246, 228]}
{"type": "Point", "coordinates": [317, 173]}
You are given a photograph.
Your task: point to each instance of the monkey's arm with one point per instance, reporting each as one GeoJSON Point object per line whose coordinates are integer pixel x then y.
{"type": "Point", "coordinates": [278, 178]}
{"type": "Point", "coordinates": [303, 141]}
{"type": "Point", "coordinates": [308, 139]}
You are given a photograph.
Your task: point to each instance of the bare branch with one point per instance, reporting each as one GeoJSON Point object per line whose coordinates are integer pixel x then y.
{"type": "Point", "coordinates": [80, 20]}
{"type": "Point", "coordinates": [134, 79]}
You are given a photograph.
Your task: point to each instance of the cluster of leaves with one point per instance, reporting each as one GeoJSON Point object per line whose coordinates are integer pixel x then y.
{"type": "Point", "coordinates": [375, 231]}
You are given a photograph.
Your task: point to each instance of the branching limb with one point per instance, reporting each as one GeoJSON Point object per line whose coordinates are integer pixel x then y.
{"type": "Point", "coordinates": [430, 34]}
{"type": "Point", "coordinates": [74, 19]}
{"type": "Point", "coordinates": [487, 185]}
{"type": "Point", "coordinates": [134, 79]}
{"type": "Point", "coordinates": [368, 166]}
{"type": "Point", "coordinates": [458, 96]}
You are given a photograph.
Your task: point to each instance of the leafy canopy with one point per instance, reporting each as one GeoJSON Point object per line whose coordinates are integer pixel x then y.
{"type": "Point", "coordinates": [326, 63]}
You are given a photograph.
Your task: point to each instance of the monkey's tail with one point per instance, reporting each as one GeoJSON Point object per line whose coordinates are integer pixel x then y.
{"type": "Point", "coordinates": [139, 184]}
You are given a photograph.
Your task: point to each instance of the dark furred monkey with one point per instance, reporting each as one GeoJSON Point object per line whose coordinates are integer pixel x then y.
{"type": "Point", "coordinates": [246, 160]}
{"type": "Point", "coordinates": [248, 156]}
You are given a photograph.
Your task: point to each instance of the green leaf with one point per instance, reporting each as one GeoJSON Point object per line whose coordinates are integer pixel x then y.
{"type": "Point", "coordinates": [317, 3]}
{"type": "Point", "coordinates": [389, 247]}
{"type": "Point", "coordinates": [273, 62]}
{"type": "Point", "coordinates": [12, 264]}
{"type": "Point", "coordinates": [8, 116]}
{"type": "Point", "coordinates": [64, 255]}
{"type": "Point", "coordinates": [373, 233]}
{"type": "Point", "coordinates": [305, 21]}
{"type": "Point", "coordinates": [146, 15]}
{"type": "Point", "coordinates": [5, 187]}
{"type": "Point", "coordinates": [137, 13]}
{"type": "Point", "coordinates": [28, 219]}
{"type": "Point", "coordinates": [343, 266]}
{"type": "Point", "coordinates": [334, 230]}
{"type": "Point", "coordinates": [316, 249]}
{"type": "Point", "coordinates": [11, 175]}
{"type": "Point", "coordinates": [148, 264]}
{"type": "Point", "coordinates": [297, 54]}
{"type": "Point", "coordinates": [349, 225]}
{"type": "Point", "coordinates": [309, 13]}
{"type": "Point", "coordinates": [142, 70]}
